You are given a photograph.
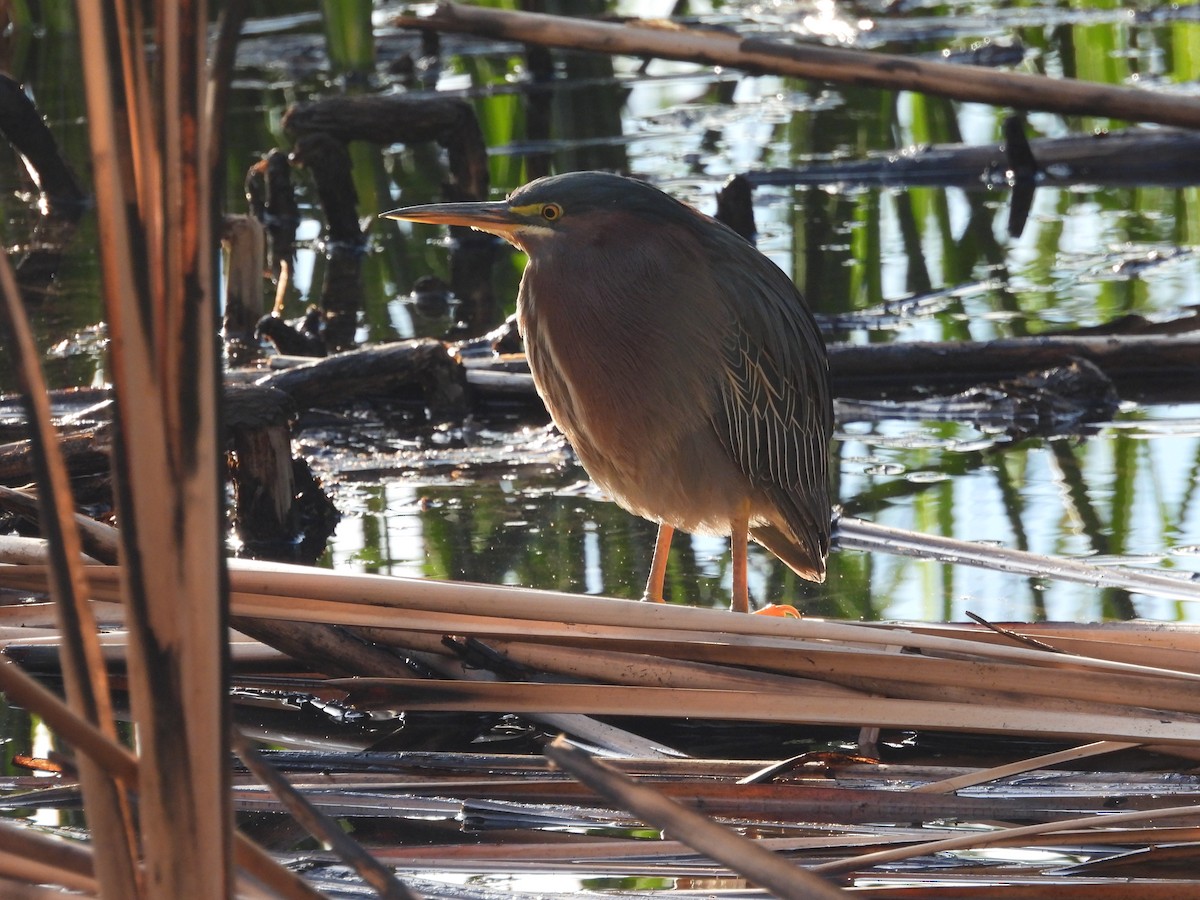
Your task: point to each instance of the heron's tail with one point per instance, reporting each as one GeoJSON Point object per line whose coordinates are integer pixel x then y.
{"type": "Point", "coordinates": [805, 559]}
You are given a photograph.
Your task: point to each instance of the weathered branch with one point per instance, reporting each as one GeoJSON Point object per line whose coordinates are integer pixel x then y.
{"type": "Point", "coordinates": [858, 67]}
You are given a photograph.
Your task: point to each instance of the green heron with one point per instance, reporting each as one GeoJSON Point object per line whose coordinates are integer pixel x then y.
{"type": "Point", "coordinates": [683, 366]}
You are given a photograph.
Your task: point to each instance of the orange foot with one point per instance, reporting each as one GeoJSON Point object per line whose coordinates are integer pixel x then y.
{"type": "Point", "coordinates": [775, 609]}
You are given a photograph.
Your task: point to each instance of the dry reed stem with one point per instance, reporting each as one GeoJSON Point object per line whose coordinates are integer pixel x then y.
{"type": "Point", "coordinates": [117, 760]}
{"type": "Point", "coordinates": [33, 871]}
{"type": "Point", "coordinates": [717, 842]}
{"type": "Point", "coordinates": [983, 776]}
{"type": "Point", "coordinates": [321, 826]}
{"type": "Point", "coordinates": [84, 676]}
{"type": "Point", "coordinates": [599, 699]}
{"type": "Point", "coordinates": [1100, 690]}
{"type": "Point", "coordinates": [271, 590]}
{"type": "Point", "coordinates": [976, 840]}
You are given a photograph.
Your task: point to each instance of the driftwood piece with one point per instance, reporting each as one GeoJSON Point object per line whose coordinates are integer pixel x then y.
{"type": "Point", "coordinates": [420, 370]}
{"type": "Point", "coordinates": [399, 119]}
{"type": "Point", "coordinates": [859, 67]}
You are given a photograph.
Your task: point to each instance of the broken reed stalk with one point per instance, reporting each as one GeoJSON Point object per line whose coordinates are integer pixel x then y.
{"type": "Point", "coordinates": [121, 764]}
{"type": "Point", "coordinates": [149, 135]}
{"type": "Point", "coordinates": [975, 840]}
{"type": "Point", "coordinates": [856, 534]}
{"type": "Point", "coordinates": [966, 682]}
{"type": "Point", "coordinates": [30, 871]}
{"type": "Point", "coordinates": [974, 84]}
{"type": "Point", "coordinates": [982, 776]}
{"type": "Point", "coordinates": [321, 826]}
{"type": "Point", "coordinates": [744, 856]}
{"type": "Point", "coordinates": [84, 675]}
{"type": "Point", "coordinates": [295, 593]}
{"type": "Point", "coordinates": [1118, 724]}
{"type": "Point", "coordinates": [299, 594]}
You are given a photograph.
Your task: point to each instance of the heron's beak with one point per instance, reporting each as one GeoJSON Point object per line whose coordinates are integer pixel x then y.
{"type": "Point", "coordinates": [495, 218]}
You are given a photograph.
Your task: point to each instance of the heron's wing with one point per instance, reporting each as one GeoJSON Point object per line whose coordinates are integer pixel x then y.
{"type": "Point", "coordinates": [775, 412]}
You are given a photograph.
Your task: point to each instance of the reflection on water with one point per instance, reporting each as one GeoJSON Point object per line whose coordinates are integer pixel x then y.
{"type": "Point", "coordinates": [1126, 495]}
{"type": "Point", "coordinates": [465, 506]}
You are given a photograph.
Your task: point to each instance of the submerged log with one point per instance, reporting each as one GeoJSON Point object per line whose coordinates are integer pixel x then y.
{"type": "Point", "coordinates": [1053, 402]}
{"type": "Point", "coordinates": [1132, 157]}
{"type": "Point", "coordinates": [1143, 365]}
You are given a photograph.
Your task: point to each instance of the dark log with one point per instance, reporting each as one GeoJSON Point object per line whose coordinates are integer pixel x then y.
{"type": "Point", "coordinates": [420, 370]}
{"type": "Point", "coordinates": [400, 119]}
{"type": "Point", "coordinates": [1159, 366]}
{"type": "Point", "coordinates": [1146, 367]}
{"type": "Point", "coordinates": [327, 158]}
{"type": "Point", "coordinates": [390, 119]}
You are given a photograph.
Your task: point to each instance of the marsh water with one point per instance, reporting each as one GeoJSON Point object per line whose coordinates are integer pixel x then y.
{"type": "Point", "coordinates": [502, 499]}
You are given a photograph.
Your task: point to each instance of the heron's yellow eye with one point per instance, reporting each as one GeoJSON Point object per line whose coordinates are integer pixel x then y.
{"type": "Point", "coordinates": [552, 212]}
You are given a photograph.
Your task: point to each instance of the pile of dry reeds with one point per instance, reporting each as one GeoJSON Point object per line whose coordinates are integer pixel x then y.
{"type": "Point", "coordinates": [1075, 693]}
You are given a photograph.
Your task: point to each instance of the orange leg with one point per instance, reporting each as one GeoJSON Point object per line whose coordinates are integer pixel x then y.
{"type": "Point", "coordinates": [738, 540]}
{"type": "Point", "coordinates": [658, 568]}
